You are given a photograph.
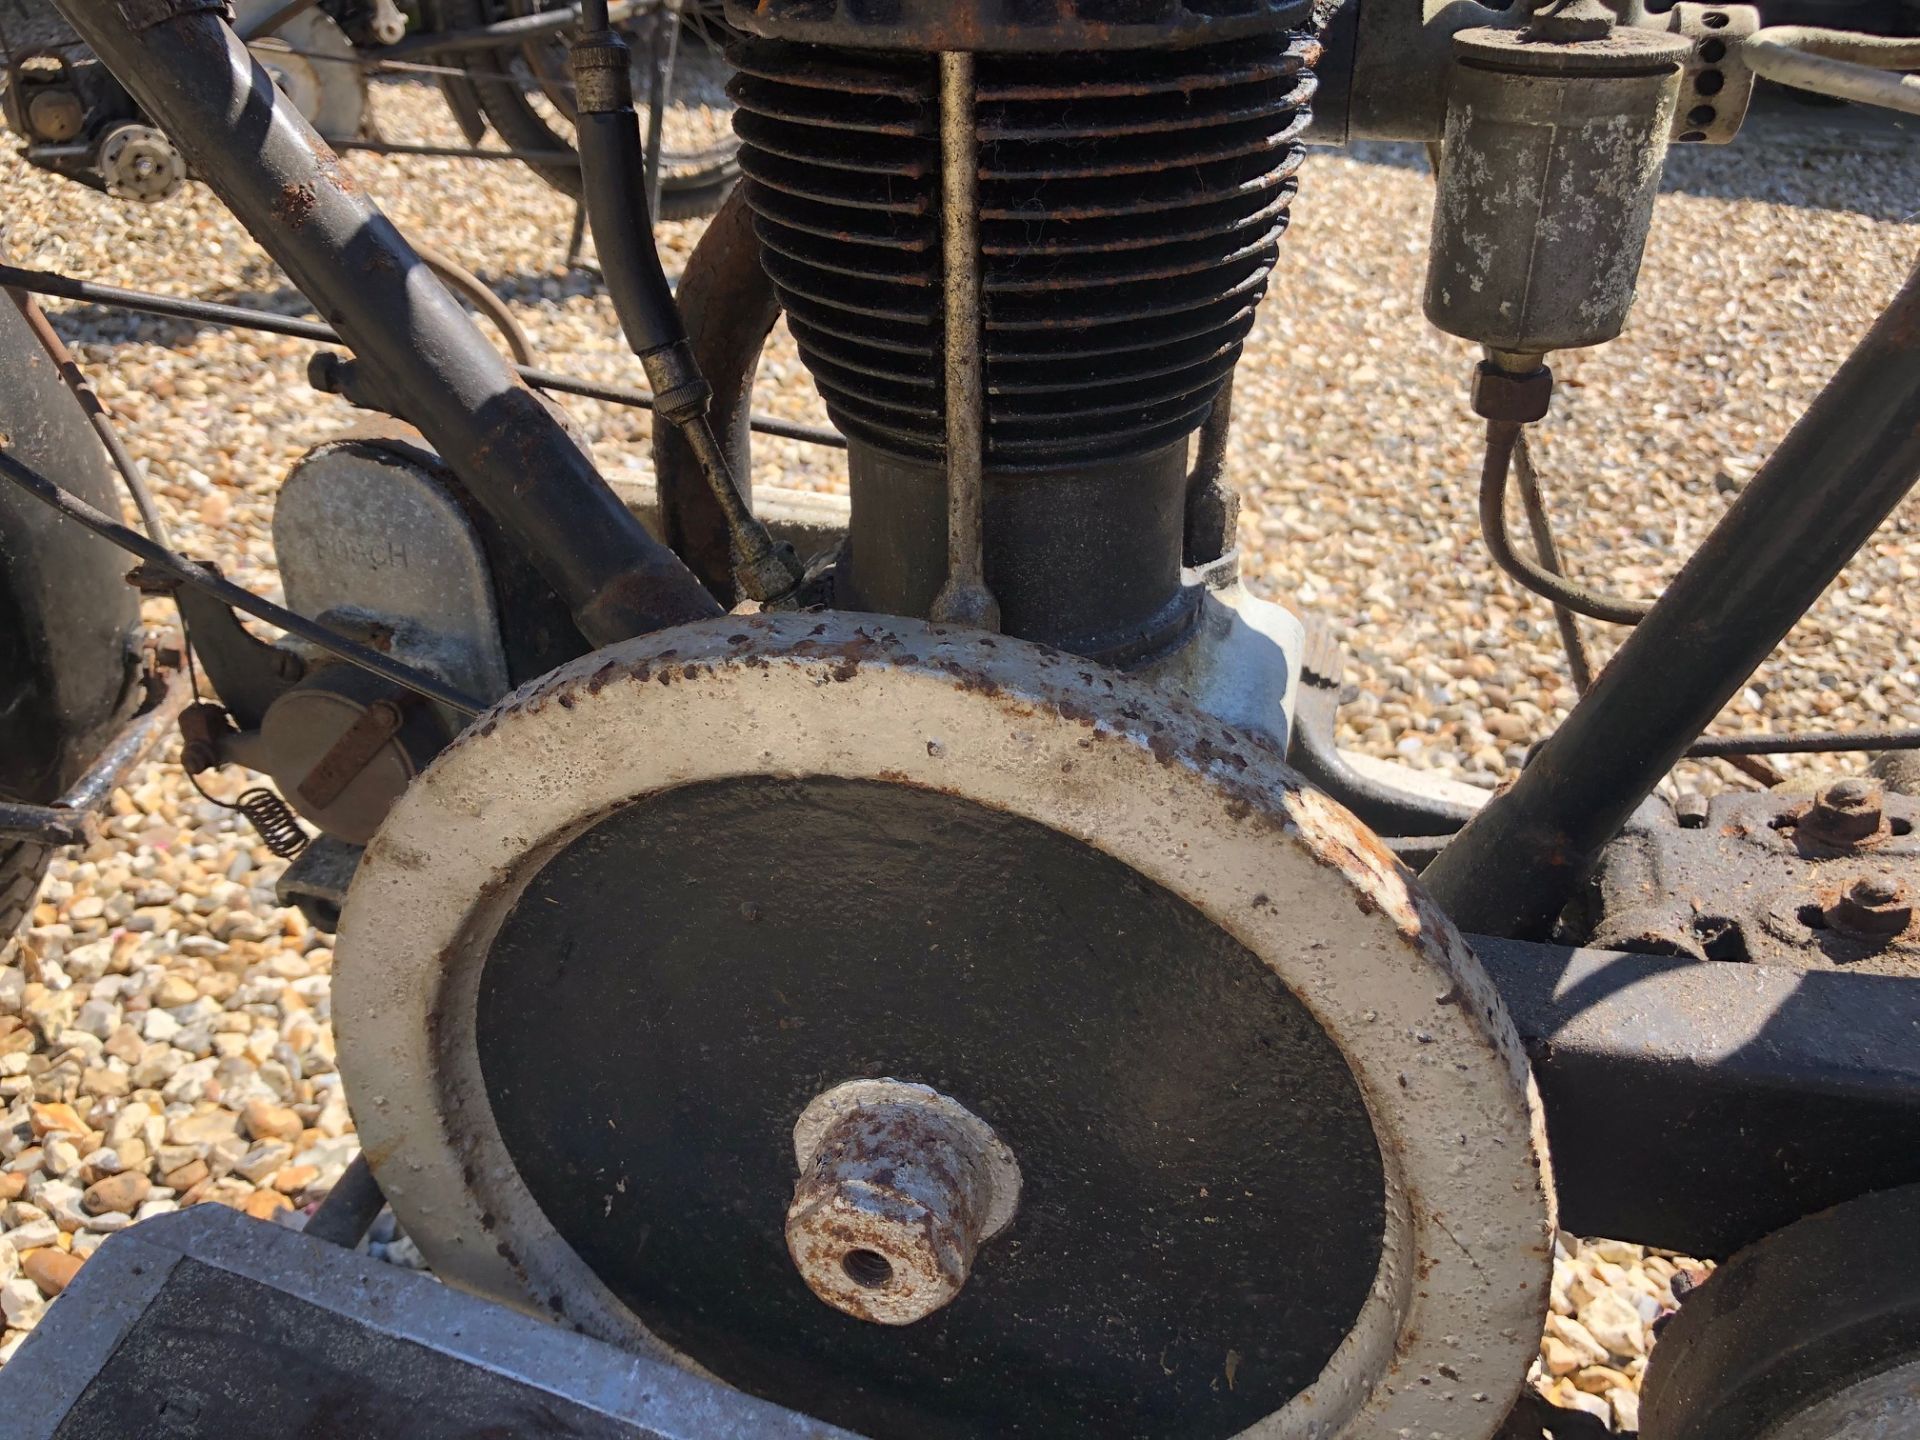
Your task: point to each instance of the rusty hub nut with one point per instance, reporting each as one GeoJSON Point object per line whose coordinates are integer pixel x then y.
{"type": "Point", "coordinates": [898, 1188]}
{"type": "Point", "coordinates": [1872, 908]}
{"type": "Point", "coordinates": [1846, 812]}
{"type": "Point", "coordinates": [1499, 394]}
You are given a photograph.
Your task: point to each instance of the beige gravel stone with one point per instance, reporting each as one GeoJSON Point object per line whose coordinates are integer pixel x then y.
{"type": "Point", "coordinates": [265, 1204]}
{"type": "Point", "coordinates": [267, 1121]}
{"type": "Point", "coordinates": [123, 1193]}
{"type": "Point", "coordinates": [51, 1269]}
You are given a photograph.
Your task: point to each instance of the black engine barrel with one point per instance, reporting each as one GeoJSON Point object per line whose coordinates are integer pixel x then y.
{"type": "Point", "coordinates": [1130, 204]}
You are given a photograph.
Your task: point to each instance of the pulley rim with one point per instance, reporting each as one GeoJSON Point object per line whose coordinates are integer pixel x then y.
{"type": "Point", "coordinates": [1443, 1340]}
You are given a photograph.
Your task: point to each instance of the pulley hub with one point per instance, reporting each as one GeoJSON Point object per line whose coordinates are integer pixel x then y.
{"type": "Point", "coordinates": [313, 63]}
{"type": "Point", "coordinates": [899, 1185]}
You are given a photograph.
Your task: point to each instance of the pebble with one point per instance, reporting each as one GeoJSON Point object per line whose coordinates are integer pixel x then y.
{"type": "Point", "coordinates": [22, 1303]}
{"type": "Point", "coordinates": [1354, 448]}
{"type": "Point", "coordinates": [51, 1269]}
{"type": "Point", "coordinates": [124, 1193]}
{"type": "Point", "coordinates": [267, 1121]}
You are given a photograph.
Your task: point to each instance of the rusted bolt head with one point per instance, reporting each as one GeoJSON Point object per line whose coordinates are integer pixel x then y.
{"type": "Point", "coordinates": [1874, 907]}
{"type": "Point", "coordinates": [1845, 813]}
{"type": "Point", "coordinates": [898, 1188]}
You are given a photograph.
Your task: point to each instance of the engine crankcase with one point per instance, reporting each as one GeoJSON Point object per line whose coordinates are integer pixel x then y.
{"type": "Point", "coordinates": [941, 1036]}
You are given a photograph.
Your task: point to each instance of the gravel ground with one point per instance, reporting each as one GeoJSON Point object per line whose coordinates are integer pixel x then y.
{"type": "Point", "coordinates": [163, 1027]}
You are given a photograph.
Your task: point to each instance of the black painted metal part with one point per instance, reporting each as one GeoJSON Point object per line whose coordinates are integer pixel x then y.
{"type": "Point", "coordinates": [67, 620]}
{"type": "Point", "coordinates": [1027, 26]}
{"type": "Point", "coordinates": [1757, 1093]}
{"type": "Point", "coordinates": [1819, 1309]}
{"type": "Point", "coordinates": [1032, 978]}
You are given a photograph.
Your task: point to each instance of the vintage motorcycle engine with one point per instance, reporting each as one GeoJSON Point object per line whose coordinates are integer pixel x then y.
{"type": "Point", "coordinates": [939, 1011]}
{"type": "Point", "coordinates": [1134, 167]}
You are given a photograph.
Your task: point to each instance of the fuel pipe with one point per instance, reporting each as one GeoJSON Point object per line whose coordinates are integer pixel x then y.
{"type": "Point", "coordinates": [613, 179]}
{"type": "Point", "coordinates": [1827, 487]}
{"type": "Point", "coordinates": [195, 77]}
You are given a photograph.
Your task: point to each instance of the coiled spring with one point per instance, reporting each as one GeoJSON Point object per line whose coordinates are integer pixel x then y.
{"type": "Point", "coordinates": [275, 821]}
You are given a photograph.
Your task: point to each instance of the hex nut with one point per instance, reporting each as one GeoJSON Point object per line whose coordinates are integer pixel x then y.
{"type": "Point", "coordinates": [1500, 394]}
{"type": "Point", "coordinates": [1873, 908]}
{"type": "Point", "coordinates": [1847, 813]}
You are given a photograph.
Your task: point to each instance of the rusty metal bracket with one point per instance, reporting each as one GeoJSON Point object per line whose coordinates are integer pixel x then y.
{"type": "Point", "coordinates": [1771, 878]}
{"type": "Point", "coordinates": [356, 749]}
{"type": "Point", "coordinates": [74, 819]}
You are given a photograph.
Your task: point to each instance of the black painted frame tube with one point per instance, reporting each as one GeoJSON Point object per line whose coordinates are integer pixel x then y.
{"type": "Point", "coordinates": [1829, 485]}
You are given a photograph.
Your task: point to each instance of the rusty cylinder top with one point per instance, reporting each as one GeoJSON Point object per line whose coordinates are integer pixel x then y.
{"type": "Point", "coordinates": [1015, 26]}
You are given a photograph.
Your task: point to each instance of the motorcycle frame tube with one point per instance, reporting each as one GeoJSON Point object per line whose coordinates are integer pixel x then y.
{"type": "Point", "coordinates": [195, 77]}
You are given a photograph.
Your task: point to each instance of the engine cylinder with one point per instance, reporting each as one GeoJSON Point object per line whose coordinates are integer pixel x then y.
{"type": "Point", "coordinates": [1129, 207]}
{"type": "Point", "coordinates": [1025, 26]}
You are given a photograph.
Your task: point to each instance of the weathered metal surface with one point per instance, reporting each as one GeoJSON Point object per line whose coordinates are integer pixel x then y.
{"type": "Point", "coordinates": [1547, 179]}
{"type": "Point", "coordinates": [139, 163]}
{"type": "Point", "coordinates": [202, 1323]}
{"type": "Point", "coordinates": [312, 61]}
{"type": "Point", "coordinates": [1085, 557]}
{"type": "Point", "coordinates": [1806, 1335]}
{"type": "Point", "coordinates": [1242, 662]}
{"type": "Point", "coordinates": [993, 958]}
{"type": "Point", "coordinates": [1443, 1338]}
{"type": "Point", "coordinates": [614, 182]}
{"type": "Point", "coordinates": [375, 523]}
{"type": "Point", "coordinates": [67, 621]}
{"type": "Point", "coordinates": [359, 745]}
{"type": "Point", "coordinates": [899, 1187]}
{"type": "Point", "coordinates": [316, 882]}
{"type": "Point", "coordinates": [963, 598]}
{"type": "Point", "coordinates": [1414, 806]}
{"type": "Point", "coordinates": [1760, 1093]}
{"type": "Point", "coordinates": [1860, 68]}
{"type": "Point", "coordinates": [1130, 207]}
{"type": "Point", "coordinates": [728, 306]}
{"type": "Point", "coordinates": [1769, 877]}
{"type": "Point", "coordinates": [1717, 86]}
{"type": "Point", "coordinates": [1827, 487]}
{"type": "Point", "coordinates": [342, 746]}
{"type": "Point", "coordinates": [927, 26]}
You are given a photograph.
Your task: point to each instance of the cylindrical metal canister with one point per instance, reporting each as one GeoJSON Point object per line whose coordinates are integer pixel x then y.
{"type": "Point", "coordinates": [1547, 179]}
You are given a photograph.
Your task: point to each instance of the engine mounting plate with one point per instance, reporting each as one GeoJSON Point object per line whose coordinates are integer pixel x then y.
{"type": "Point", "coordinates": [1280, 1157]}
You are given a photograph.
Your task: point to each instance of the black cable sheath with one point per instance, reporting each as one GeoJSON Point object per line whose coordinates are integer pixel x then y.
{"type": "Point", "coordinates": [65, 287]}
